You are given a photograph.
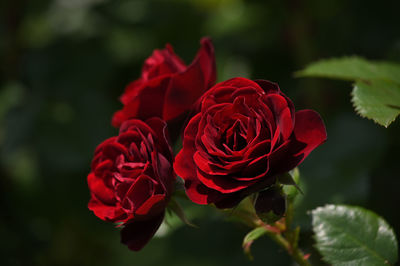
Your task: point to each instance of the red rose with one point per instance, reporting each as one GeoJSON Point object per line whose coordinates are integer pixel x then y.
{"type": "Point", "coordinates": [132, 179]}
{"type": "Point", "coordinates": [246, 133]}
{"type": "Point", "coordinates": [167, 87]}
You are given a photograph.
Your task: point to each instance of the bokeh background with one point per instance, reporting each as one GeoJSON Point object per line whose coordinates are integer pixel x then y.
{"type": "Point", "coordinates": [65, 62]}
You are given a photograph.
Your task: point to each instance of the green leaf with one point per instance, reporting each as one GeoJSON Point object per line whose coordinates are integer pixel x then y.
{"type": "Point", "coordinates": [347, 235]}
{"type": "Point", "coordinates": [377, 100]}
{"type": "Point", "coordinates": [352, 68]}
{"type": "Point", "coordinates": [376, 93]}
{"type": "Point", "coordinates": [250, 237]}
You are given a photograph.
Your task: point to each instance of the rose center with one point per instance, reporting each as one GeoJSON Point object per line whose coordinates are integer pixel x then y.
{"type": "Point", "coordinates": [235, 136]}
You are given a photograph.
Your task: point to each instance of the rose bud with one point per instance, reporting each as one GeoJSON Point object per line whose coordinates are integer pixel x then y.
{"type": "Point", "coordinates": [167, 87]}
{"type": "Point", "coordinates": [132, 179]}
{"type": "Point", "coordinates": [244, 135]}
{"type": "Point", "coordinates": [270, 205]}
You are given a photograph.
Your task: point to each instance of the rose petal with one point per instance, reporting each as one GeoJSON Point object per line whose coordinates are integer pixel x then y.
{"type": "Point", "coordinates": [184, 165]}
{"type": "Point", "coordinates": [138, 193]}
{"type": "Point", "coordinates": [216, 95]}
{"type": "Point", "coordinates": [152, 206]}
{"type": "Point", "coordinates": [282, 113]}
{"type": "Point", "coordinates": [162, 62]}
{"type": "Point", "coordinates": [268, 86]}
{"type": "Point", "coordinates": [272, 87]}
{"type": "Point", "coordinates": [309, 129]}
{"type": "Point", "coordinates": [187, 87]}
{"type": "Point", "coordinates": [256, 169]}
{"type": "Point", "coordinates": [286, 157]}
{"type": "Point", "coordinates": [99, 188]}
{"type": "Point", "coordinates": [223, 184]}
{"type": "Point", "coordinates": [118, 118]}
{"type": "Point", "coordinates": [113, 150]}
{"type": "Point", "coordinates": [219, 166]}
{"type": "Point", "coordinates": [136, 234]}
{"type": "Point", "coordinates": [200, 194]}
{"type": "Point", "coordinates": [258, 150]}
{"type": "Point", "coordinates": [105, 212]}
{"type": "Point", "coordinates": [309, 133]}
{"type": "Point", "coordinates": [148, 102]}
{"type": "Point", "coordinates": [239, 82]}
{"type": "Point", "coordinates": [159, 127]}
{"type": "Point", "coordinates": [127, 137]}
{"type": "Point", "coordinates": [131, 91]}
{"type": "Point", "coordinates": [103, 168]}
{"type": "Point", "coordinates": [163, 170]}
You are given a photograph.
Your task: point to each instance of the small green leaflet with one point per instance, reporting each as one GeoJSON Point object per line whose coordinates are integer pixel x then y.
{"type": "Point", "coordinates": [348, 235]}
{"type": "Point", "coordinates": [250, 237]}
{"type": "Point", "coordinates": [376, 90]}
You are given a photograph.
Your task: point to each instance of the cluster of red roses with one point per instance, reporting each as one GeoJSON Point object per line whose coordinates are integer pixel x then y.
{"type": "Point", "coordinates": [241, 135]}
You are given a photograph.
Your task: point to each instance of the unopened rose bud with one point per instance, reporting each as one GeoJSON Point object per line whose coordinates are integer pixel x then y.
{"type": "Point", "coordinates": [270, 205]}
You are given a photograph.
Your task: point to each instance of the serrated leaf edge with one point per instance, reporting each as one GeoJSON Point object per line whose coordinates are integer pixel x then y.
{"type": "Point", "coordinates": [361, 111]}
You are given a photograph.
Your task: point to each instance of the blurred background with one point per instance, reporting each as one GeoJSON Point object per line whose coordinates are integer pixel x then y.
{"type": "Point", "coordinates": [64, 64]}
